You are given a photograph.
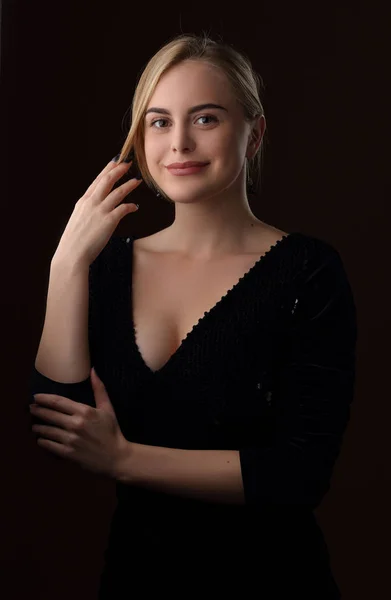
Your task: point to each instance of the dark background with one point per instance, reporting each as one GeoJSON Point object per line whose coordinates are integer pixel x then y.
{"type": "Point", "coordinates": [68, 74]}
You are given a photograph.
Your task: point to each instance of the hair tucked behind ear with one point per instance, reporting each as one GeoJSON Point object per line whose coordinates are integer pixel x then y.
{"type": "Point", "coordinates": [246, 84]}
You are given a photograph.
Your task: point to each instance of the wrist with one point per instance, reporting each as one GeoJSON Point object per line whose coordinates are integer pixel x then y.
{"type": "Point", "coordinates": [69, 263]}
{"type": "Point", "coordinates": [122, 469]}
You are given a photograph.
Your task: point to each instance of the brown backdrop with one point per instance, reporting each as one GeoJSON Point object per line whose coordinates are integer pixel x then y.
{"type": "Point", "coordinates": [68, 72]}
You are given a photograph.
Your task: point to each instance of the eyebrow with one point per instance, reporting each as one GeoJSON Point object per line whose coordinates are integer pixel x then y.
{"type": "Point", "coordinates": [164, 111]}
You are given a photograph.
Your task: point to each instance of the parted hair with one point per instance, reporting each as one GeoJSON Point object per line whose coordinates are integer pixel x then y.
{"type": "Point", "coordinates": [245, 82]}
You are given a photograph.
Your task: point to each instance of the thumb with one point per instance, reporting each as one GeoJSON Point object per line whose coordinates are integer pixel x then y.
{"type": "Point", "coordinates": [100, 393]}
{"type": "Point", "coordinates": [94, 378]}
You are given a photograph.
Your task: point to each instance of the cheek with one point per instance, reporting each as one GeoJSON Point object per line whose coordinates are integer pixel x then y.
{"type": "Point", "coordinates": [226, 149]}
{"type": "Point", "coordinates": [227, 159]}
{"type": "Point", "coordinates": [153, 154]}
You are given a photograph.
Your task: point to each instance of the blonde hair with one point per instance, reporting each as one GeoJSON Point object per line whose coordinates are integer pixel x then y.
{"type": "Point", "coordinates": [246, 84]}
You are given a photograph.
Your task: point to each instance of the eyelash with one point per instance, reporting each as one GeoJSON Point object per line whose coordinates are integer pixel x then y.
{"type": "Point", "coordinates": [200, 117]}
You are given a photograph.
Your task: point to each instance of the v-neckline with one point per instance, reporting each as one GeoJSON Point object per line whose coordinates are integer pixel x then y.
{"type": "Point", "coordinates": [207, 314]}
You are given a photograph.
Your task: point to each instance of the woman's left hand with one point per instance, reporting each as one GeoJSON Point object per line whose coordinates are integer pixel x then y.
{"type": "Point", "coordinates": [89, 436]}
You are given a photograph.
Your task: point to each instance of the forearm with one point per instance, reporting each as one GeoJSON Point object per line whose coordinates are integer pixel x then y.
{"type": "Point", "coordinates": [209, 475]}
{"type": "Point", "coordinates": [63, 353]}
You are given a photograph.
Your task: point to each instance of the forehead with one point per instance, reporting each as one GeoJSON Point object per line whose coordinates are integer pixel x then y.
{"type": "Point", "coordinates": [192, 82]}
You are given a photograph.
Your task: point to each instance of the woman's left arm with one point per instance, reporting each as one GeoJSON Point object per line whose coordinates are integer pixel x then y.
{"type": "Point", "coordinates": [314, 390]}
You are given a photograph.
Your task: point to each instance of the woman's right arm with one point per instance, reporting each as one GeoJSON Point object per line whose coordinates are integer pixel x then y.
{"type": "Point", "coordinates": [63, 353]}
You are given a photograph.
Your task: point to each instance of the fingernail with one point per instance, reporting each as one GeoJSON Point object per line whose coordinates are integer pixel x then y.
{"type": "Point", "coordinates": [126, 160]}
{"type": "Point", "coordinates": [137, 173]}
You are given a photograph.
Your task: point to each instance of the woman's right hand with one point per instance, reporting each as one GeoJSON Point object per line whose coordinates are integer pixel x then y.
{"type": "Point", "coordinates": [96, 216]}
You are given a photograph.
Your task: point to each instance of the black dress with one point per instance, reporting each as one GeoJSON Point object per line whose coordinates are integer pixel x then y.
{"type": "Point", "coordinates": [268, 371]}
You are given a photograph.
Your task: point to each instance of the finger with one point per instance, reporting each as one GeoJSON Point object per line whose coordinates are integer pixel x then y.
{"type": "Point", "coordinates": [105, 184]}
{"type": "Point", "coordinates": [47, 398]}
{"type": "Point", "coordinates": [122, 210]}
{"type": "Point", "coordinates": [52, 433]}
{"type": "Point", "coordinates": [114, 198]}
{"type": "Point", "coordinates": [60, 449]}
{"type": "Point", "coordinates": [120, 169]}
{"type": "Point", "coordinates": [51, 416]}
{"type": "Point", "coordinates": [60, 403]}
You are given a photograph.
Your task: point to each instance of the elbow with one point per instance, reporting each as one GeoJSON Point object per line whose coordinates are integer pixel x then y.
{"type": "Point", "coordinates": [282, 483]}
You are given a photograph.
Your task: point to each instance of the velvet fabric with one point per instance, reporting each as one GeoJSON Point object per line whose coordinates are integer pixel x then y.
{"type": "Point", "coordinates": [268, 371]}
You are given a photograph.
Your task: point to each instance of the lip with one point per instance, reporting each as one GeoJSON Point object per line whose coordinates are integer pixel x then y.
{"type": "Point", "coordinates": [187, 170]}
{"type": "Point", "coordinates": [186, 165]}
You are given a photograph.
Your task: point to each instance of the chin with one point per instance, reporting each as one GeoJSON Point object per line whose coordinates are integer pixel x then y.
{"type": "Point", "coordinates": [183, 198]}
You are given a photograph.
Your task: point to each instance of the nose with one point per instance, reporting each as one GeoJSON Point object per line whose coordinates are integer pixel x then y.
{"type": "Point", "coordinates": [182, 140]}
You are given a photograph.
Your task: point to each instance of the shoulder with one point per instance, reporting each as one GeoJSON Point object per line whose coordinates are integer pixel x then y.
{"type": "Point", "coordinates": [311, 252]}
{"type": "Point", "coordinates": [151, 243]}
{"type": "Point", "coordinates": [322, 276]}
{"type": "Point", "coordinates": [308, 248]}
{"type": "Point", "coordinates": [312, 269]}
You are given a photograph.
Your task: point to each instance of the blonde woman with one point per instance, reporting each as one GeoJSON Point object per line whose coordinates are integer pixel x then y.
{"type": "Point", "coordinates": [223, 351]}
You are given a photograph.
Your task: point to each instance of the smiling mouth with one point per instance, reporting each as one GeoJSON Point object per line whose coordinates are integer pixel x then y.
{"type": "Point", "coordinates": [186, 170]}
{"type": "Point", "coordinates": [186, 165]}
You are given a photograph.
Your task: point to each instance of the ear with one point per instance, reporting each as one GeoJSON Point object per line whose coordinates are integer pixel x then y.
{"type": "Point", "coordinates": [258, 129]}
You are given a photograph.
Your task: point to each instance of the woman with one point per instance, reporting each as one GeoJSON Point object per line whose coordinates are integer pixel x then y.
{"type": "Point", "coordinates": [226, 347]}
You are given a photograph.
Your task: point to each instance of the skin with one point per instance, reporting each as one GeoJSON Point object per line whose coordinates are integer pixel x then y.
{"type": "Point", "coordinates": [212, 219]}
{"type": "Point", "coordinates": [212, 214]}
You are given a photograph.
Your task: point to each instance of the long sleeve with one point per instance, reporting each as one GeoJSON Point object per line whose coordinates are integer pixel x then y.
{"type": "Point", "coordinates": [313, 392]}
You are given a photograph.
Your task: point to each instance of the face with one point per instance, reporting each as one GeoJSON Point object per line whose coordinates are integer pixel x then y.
{"type": "Point", "coordinates": [176, 133]}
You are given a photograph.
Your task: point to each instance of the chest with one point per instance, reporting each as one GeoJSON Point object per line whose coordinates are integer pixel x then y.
{"type": "Point", "coordinates": [169, 297]}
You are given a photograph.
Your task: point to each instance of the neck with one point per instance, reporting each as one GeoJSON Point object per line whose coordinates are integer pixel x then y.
{"type": "Point", "coordinates": [207, 230]}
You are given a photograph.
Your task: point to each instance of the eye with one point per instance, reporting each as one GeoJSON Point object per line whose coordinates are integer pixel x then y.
{"type": "Point", "coordinates": [214, 119]}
